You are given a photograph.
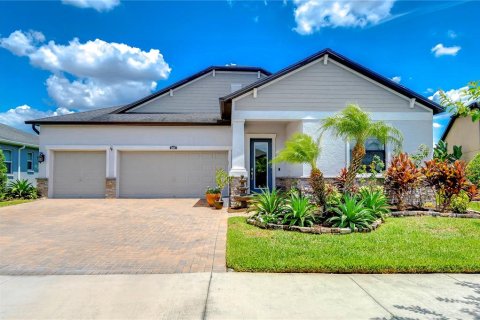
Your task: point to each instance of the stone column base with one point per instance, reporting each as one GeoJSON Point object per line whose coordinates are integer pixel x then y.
{"type": "Point", "coordinates": [110, 188]}
{"type": "Point", "coordinates": [42, 187]}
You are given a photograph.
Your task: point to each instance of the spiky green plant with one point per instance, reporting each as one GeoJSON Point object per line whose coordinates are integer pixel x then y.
{"type": "Point", "coordinates": [21, 189]}
{"type": "Point", "coordinates": [267, 205]}
{"type": "Point", "coordinates": [354, 124]}
{"type": "Point", "coordinates": [375, 202]}
{"type": "Point", "coordinates": [302, 148]}
{"type": "Point", "coordinates": [299, 211]}
{"type": "Point", "coordinates": [351, 213]}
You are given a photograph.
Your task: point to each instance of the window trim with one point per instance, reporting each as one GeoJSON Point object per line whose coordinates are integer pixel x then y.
{"type": "Point", "coordinates": [348, 152]}
{"type": "Point", "coordinates": [30, 161]}
{"type": "Point", "coordinates": [8, 161]}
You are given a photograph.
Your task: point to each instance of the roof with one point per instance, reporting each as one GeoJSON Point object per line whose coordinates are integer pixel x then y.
{"type": "Point", "coordinates": [225, 102]}
{"type": "Point", "coordinates": [110, 116]}
{"type": "Point", "coordinates": [117, 115]}
{"type": "Point", "coordinates": [473, 105]}
{"type": "Point", "coordinates": [15, 136]}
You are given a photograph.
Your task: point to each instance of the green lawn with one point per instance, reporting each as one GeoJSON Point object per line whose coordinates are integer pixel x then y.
{"type": "Point", "coordinates": [12, 202]}
{"type": "Point", "coordinates": [413, 244]}
{"type": "Point", "coordinates": [474, 206]}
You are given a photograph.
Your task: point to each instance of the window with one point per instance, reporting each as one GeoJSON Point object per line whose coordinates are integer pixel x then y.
{"type": "Point", "coordinates": [30, 161]}
{"type": "Point", "coordinates": [8, 160]}
{"type": "Point", "coordinates": [373, 147]}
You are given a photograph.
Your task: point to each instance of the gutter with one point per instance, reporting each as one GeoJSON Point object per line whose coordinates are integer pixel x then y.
{"type": "Point", "coordinates": [19, 162]}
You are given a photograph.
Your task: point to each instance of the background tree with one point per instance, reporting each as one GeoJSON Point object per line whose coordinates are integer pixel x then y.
{"type": "Point", "coordinates": [3, 175]}
{"type": "Point", "coordinates": [302, 148]}
{"type": "Point", "coordinates": [461, 107]}
{"type": "Point", "coordinates": [354, 124]}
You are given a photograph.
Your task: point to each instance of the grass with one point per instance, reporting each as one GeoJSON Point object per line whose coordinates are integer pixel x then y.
{"type": "Point", "coordinates": [12, 202]}
{"type": "Point", "coordinates": [401, 245]}
{"type": "Point", "coordinates": [474, 206]}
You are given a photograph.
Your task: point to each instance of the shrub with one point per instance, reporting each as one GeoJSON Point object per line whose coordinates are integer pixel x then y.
{"type": "Point", "coordinates": [422, 152]}
{"type": "Point", "coordinates": [460, 202]}
{"type": "Point", "coordinates": [375, 202]}
{"type": "Point", "coordinates": [351, 214]}
{"type": "Point", "coordinates": [22, 189]}
{"type": "Point", "coordinates": [473, 170]}
{"type": "Point", "coordinates": [3, 175]}
{"type": "Point", "coordinates": [222, 179]}
{"type": "Point", "coordinates": [299, 211]}
{"type": "Point", "coordinates": [401, 175]}
{"type": "Point", "coordinates": [440, 152]}
{"type": "Point", "coordinates": [341, 180]}
{"type": "Point", "coordinates": [268, 205]}
{"type": "Point", "coordinates": [448, 179]}
{"type": "Point", "coordinates": [213, 190]}
{"type": "Point", "coordinates": [333, 196]}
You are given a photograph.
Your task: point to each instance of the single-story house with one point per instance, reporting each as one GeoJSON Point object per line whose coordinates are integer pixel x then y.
{"type": "Point", "coordinates": [20, 150]}
{"type": "Point", "coordinates": [462, 131]}
{"type": "Point", "coordinates": [170, 143]}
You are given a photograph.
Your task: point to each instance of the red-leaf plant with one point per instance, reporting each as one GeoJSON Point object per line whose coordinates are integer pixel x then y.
{"type": "Point", "coordinates": [400, 177]}
{"type": "Point", "coordinates": [448, 179]}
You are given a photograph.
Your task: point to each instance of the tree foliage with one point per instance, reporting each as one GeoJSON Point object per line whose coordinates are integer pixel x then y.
{"type": "Point", "coordinates": [3, 175]}
{"type": "Point", "coordinates": [354, 124]}
{"type": "Point", "coordinates": [473, 170]}
{"type": "Point", "coordinates": [441, 153]}
{"type": "Point", "coordinates": [461, 107]}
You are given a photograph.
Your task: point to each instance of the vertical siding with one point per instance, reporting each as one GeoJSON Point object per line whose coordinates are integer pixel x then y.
{"type": "Point", "coordinates": [322, 87]}
{"type": "Point", "coordinates": [200, 95]}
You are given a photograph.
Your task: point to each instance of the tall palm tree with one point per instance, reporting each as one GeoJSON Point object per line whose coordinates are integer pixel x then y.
{"type": "Point", "coordinates": [354, 124]}
{"type": "Point", "coordinates": [302, 148]}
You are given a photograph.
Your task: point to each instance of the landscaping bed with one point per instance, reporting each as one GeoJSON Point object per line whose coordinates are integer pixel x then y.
{"type": "Point", "coordinates": [419, 245]}
{"type": "Point", "coordinates": [13, 202]}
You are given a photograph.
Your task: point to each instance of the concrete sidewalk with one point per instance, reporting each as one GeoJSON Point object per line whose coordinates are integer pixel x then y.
{"type": "Point", "coordinates": [241, 296]}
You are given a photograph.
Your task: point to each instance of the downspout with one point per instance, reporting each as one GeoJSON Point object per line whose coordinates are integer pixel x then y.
{"type": "Point", "coordinates": [34, 127]}
{"type": "Point", "coordinates": [19, 162]}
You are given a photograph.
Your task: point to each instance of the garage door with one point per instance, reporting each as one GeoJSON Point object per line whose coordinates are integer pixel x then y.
{"type": "Point", "coordinates": [153, 174]}
{"type": "Point", "coordinates": [79, 174]}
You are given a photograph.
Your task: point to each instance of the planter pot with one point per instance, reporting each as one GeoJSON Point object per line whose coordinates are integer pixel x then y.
{"type": "Point", "coordinates": [212, 197]}
{"type": "Point", "coordinates": [218, 204]}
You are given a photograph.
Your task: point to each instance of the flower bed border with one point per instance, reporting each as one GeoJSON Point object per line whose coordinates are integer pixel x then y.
{"type": "Point", "coordinates": [470, 215]}
{"type": "Point", "coordinates": [313, 230]}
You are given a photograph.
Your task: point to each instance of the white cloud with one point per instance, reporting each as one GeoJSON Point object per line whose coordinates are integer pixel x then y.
{"type": "Point", "coordinates": [397, 79]}
{"type": "Point", "coordinates": [453, 94]}
{"type": "Point", "coordinates": [440, 50]}
{"type": "Point", "coordinates": [104, 73]}
{"type": "Point", "coordinates": [312, 15]}
{"type": "Point", "coordinates": [437, 125]}
{"type": "Point", "coordinates": [99, 5]}
{"type": "Point", "coordinates": [452, 34]}
{"type": "Point", "coordinates": [22, 43]}
{"type": "Point", "coordinates": [16, 117]}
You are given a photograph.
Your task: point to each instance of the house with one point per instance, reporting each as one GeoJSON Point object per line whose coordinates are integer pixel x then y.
{"type": "Point", "coordinates": [462, 131]}
{"type": "Point", "coordinates": [20, 150]}
{"type": "Point", "coordinates": [170, 143]}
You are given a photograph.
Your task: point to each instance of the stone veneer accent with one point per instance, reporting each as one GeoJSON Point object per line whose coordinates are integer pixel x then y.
{"type": "Point", "coordinates": [110, 188]}
{"type": "Point", "coordinates": [42, 187]}
{"type": "Point", "coordinates": [234, 184]}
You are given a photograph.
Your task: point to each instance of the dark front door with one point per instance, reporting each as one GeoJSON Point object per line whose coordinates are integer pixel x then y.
{"type": "Point", "coordinates": [260, 164]}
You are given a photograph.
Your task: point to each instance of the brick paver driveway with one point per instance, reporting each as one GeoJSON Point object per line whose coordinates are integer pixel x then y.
{"type": "Point", "coordinates": [107, 236]}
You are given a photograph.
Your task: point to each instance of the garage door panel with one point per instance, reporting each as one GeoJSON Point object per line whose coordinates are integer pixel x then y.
{"type": "Point", "coordinates": [79, 174]}
{"type": "Point", "coordinates": [168, 174]}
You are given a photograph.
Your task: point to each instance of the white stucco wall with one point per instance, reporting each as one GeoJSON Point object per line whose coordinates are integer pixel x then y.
{"type": "Point", "coordinates": [141, 137]}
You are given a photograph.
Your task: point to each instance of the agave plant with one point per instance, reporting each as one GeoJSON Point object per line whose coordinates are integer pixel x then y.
{"type": "Point", "coordinates": [299, 211]}
{"type": "Point", "coordinates": [267, 205]}
{"type": "Point", "coordinates": [22, 189]}
{"type": "Point", "coordinates": [351, 213]}
{"type": "Point", "coordinates": [375, 202]}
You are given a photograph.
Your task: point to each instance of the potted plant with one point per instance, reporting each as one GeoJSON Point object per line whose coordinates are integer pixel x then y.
{"type": "Point", "coordinates": [222, 179]}
{"type": "Point", "coordinates": [212, 194]}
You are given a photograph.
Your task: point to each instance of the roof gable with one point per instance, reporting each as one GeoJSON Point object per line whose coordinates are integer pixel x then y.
{"type": "Point", "coordinates": [226, 101]}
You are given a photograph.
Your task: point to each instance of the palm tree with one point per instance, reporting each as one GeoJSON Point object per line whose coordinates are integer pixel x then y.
{"type": "Point", "coordinates": [302, 148]}
{"type": "Point", "coordinates": [354, 124]}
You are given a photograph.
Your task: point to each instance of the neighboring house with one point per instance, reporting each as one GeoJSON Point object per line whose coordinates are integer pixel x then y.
{"type": "Point", "coordinates": [170, 143]}
{"type": "Point", "coordinates": [20, 150]}
{"type": "Point", "coordinates": [462, 131]}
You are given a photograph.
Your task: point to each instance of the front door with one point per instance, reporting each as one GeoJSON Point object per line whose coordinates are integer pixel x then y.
{"type": "Point", "coordinates": [260, 164]}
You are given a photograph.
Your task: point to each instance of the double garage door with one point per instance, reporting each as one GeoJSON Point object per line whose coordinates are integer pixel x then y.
{"type": "Point", "coordinates": [140, 174]}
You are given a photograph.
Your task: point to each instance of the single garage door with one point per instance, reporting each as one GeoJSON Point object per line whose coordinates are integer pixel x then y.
{"type": "Point", "coordinates": [79, 174]}
{"type": "Point", "coordinates": [151, 174]}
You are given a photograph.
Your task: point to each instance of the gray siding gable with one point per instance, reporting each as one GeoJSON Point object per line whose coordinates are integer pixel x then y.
{"type": "Point", "coordinates": [324, 87]}
{"type": "Point", "coordinates": [199, 95]}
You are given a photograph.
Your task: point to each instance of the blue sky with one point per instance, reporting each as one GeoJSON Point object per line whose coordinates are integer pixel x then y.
{"type": "Point", "coordinates": [57, 57]}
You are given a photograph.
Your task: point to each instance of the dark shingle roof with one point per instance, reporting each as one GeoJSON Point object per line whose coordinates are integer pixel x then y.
{"type": "Point", "coordinates": [110, 116]}
{"type": "Point", "coordinates": [15, 136]}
